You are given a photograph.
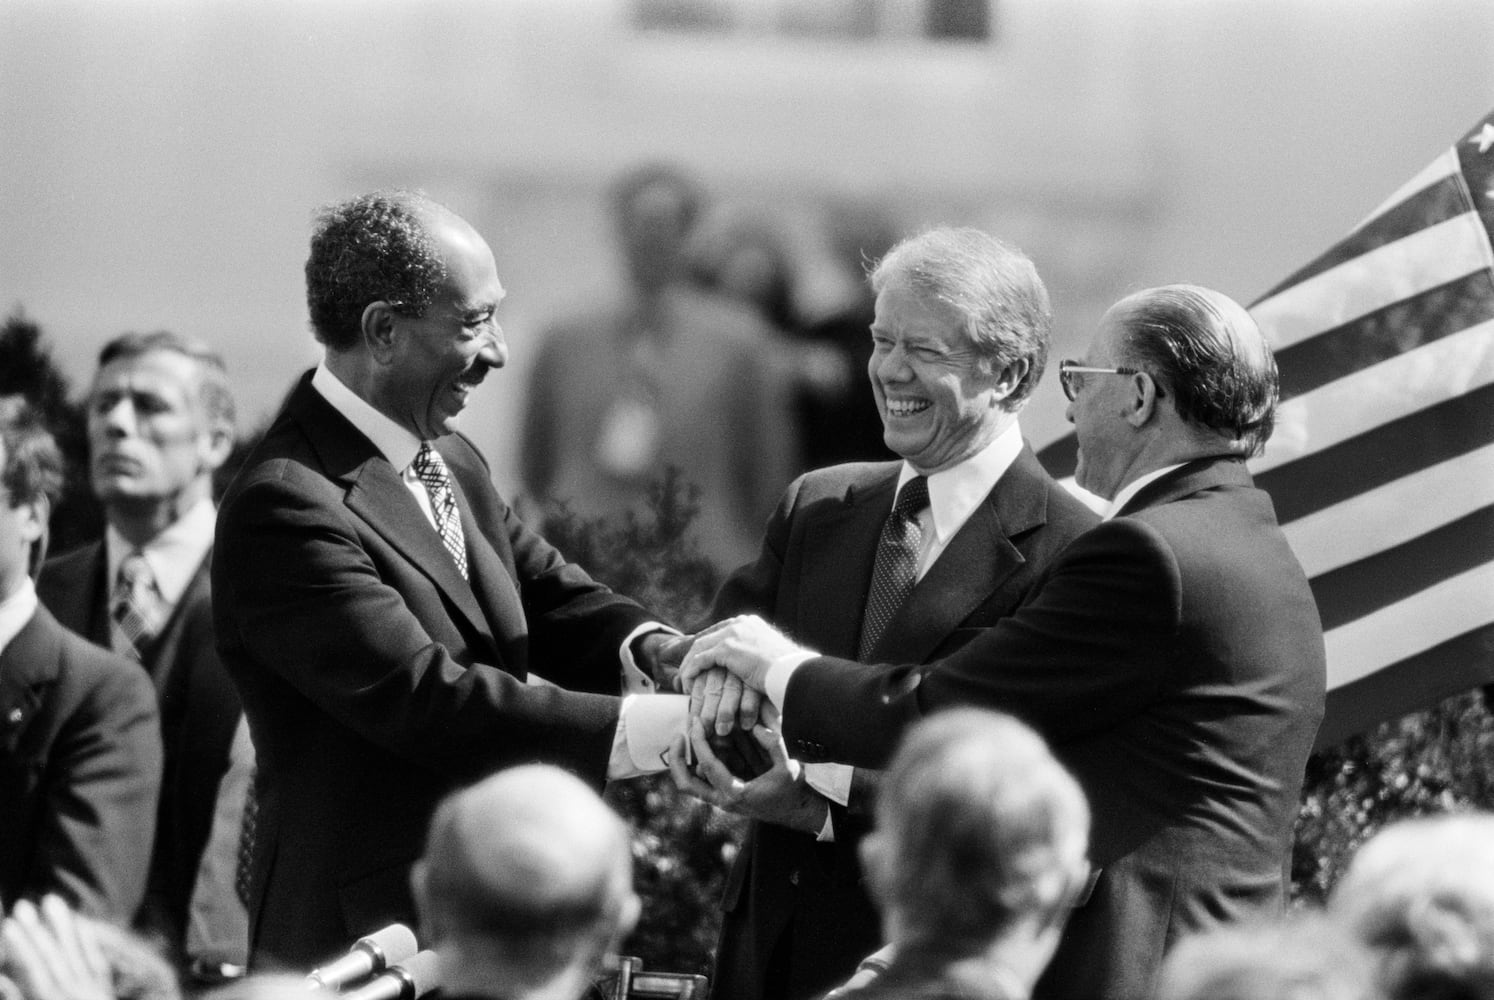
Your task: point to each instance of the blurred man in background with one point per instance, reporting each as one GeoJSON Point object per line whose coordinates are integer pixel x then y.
{"type": "Point", "coordinates": [673, 377]}
{"type": "Point", "coordinates": [80, 745]}
{"type": "Point", "coordinates": [525, 886]}
{"type": "Point", "coordinates": [160, 418]}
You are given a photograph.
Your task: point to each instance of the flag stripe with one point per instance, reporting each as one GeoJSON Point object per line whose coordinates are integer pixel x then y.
{"type": "Point", "coordinates": [1395, 574]}
{"type": "Point", "coordinates": [1450, 667]}
{"type": "Point", "coordinates": [1431, 616]}
{"type": "Point", "coordinates": [1386, 392]}
{"type": "Point", "coordinates": [1447, 164]}
{"type": "Point", "coordinates": [1387, 332]}
{"type": "Point", "coordinates": [1061, 456]}
{"type": "Point", "coordinates": [1452, 428]}
{"type": "Point", "coordinates": [1440, 199]}
{"type": "Point", "coordinates": [1394, 513]}
{"type": "Point", "coordinates": [1411, 265]}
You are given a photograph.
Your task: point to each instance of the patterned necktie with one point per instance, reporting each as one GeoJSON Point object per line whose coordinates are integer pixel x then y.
{"type": "Point", "coordinates": [137, 607]}
{"type": "Point", "coordinates": [897, 563]}
{"type": "Point", "coordinates": [430, 468]}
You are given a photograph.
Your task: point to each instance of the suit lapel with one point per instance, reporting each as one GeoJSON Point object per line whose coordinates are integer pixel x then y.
{"type": "Point", "coordinates": [162, 657]}
{"type": "Point", "coordinates": [493, 581]}
{"type": "Point", "coordinates": [377, 494]}
{"type": "Point", "coordinates": [972, 567]}
{"type": "Point", "coordinates": [28, 665]}
{"type": "Point", "coordinates": [840, 552]}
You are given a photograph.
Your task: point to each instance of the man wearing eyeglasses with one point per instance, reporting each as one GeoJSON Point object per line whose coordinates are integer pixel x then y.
{"type": "Point", "coordinates": [1173, 655]}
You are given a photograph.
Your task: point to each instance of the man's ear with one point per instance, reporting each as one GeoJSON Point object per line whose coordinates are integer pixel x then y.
{"type": "Point", "coordinates": [378, 330]}
{"type": "Point", "coordinates": [873, 851]}
{"type": "Point", "coordinates": [1144, 400]}
{"type": "Point", "coordinates": [1010, 377]}
{"type": "Point", "coordinates": [35, 516]}
{"type": "Point", "coordinates": [214, 445]}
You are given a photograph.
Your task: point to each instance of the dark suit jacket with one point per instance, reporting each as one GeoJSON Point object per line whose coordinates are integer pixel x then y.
{"type": "Point", "coordinates": [376, 679]}
{"type": "Point", "coordinates": [199, 711]}
{"type": "Point", "coordinates": [787, 893]}
{"type": "Point", "coordinates": [1174, 657]}
{"type": "Point", "coordinates": [80, 769]}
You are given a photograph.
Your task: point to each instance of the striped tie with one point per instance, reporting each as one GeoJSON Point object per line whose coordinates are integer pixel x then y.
{"type": "Point", "coordinates": [136, 606]}
{"type": "Point", "coordinates": [897, 563]}
{"type": "Point", "coordinates": [430, 468]}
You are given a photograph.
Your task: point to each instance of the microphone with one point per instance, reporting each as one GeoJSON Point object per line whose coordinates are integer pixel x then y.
{"type": "Point", "coordinates": [414, 977]}
{"type": "Point", "coordinates": [368, 955]}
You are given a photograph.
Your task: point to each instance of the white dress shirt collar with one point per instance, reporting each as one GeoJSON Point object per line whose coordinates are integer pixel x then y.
{"type": "Point", "coordinates": [1129, 491]}
{"type": "Point", "coordinates": [394, 442]}
{"type": "Point", "coordinates": [15, 611]}
{"type": "Point", "coordinates": [955, 492]}
{"type": "Point", "coordinates": [174, 555]}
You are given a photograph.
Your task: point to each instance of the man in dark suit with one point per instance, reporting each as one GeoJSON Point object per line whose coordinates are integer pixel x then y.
{"type": "Point", "coordinates": [160, 423]}
{"type": "Point", "coordinates": [960, 339]}
{"type": "Point", "coordinates": [80, 746]}
{"type": "Point", "coordinates": [1173, 655]}
{"type": "Point", "coordinates": [380, 607]}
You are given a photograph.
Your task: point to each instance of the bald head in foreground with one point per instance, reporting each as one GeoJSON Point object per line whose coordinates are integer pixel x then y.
{"type": "Point", "coordinates": [526, 884]}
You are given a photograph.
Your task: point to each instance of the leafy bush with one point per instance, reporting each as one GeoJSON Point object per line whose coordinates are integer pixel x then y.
{"type": "Point", "coordinates": [682, 847]}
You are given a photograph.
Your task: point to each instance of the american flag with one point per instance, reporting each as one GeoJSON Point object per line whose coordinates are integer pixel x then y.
{"type": "Point", "coordinates": [1382, 464]}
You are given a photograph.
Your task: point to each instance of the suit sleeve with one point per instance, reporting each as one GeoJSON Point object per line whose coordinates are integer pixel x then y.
{"type": "Point", "coordinates": [298, 594]}
{"type": "Point", "coordinates": [103, 781]}
{"type": "Point", "coordinates": [1086, 651]}
{"type": "Point", "coordinates": [753, 589]}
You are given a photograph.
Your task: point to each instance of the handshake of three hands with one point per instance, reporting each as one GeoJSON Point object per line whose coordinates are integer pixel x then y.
{"type": "Point", "coordinates": [732, 753]}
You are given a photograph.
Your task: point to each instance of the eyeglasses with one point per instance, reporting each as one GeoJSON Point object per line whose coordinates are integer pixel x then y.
{"type": "Point", "coordinates": [1068, 372]}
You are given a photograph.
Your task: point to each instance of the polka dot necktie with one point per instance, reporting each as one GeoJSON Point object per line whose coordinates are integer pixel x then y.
{"type": "Point", "coordinates": [430, 469]}
{"type": "Point", "coordinates": [897, 563]}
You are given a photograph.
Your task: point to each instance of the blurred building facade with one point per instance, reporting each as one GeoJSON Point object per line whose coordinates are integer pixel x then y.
{"type": "Point", "coordinates": [160, 161]}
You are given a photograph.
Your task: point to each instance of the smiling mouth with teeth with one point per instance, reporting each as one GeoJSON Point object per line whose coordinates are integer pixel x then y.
{"type": "Point", "coordinates": [906, 408]}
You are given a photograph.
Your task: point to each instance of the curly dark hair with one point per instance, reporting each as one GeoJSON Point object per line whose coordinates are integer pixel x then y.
{"type": "Point", "coordinates": [1206, 352]}
{"type": "Point", "coordinates": [33, 463]}
{"type": "Point", "coordinates": [374, 247]}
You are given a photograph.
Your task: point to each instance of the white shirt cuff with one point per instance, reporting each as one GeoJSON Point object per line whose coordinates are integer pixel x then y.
{"type": "Point", "coordinates": [833, 781]}
{"type": "Point", "coordinates": [646, 725]}
{"type": "Point", "coordinates": [634, 680]}
{"type": "Point", "coordinates": [783, 668]}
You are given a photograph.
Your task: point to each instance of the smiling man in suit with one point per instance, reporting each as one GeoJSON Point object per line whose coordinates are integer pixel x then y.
{"type": "Point", "coordinates": [381, 608]}
{"type": "Point", "coordinates": [1173, 655]}
{"type": "Point", "coordinates": [851, 563]}
{"type": "Point", "coordinates": [160, 423]}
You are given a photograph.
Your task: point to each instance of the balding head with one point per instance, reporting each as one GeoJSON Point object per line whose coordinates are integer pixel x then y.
{"type": "Point", "coordinates": [1206, 354]}
{"type": "Point", "coordinates": [528, 874]}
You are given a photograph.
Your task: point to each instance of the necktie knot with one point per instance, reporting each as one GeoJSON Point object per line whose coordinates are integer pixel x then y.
{"type": "Point", "coordinates": [137, 607]}
{"type": "Point", "coordinates": [913, 497]}
{"type": "Point", "coordinates": [430, 469]}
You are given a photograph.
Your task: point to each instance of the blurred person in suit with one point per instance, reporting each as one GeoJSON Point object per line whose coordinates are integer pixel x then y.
{"type": "Point", "coordinates": [670, 377]}
{"type": "Point", "coordinates": [977, 856]}
{"type": "Point", "coordinates": [160, 418]}
{"type": "Point", "coordinates": [525, 886]}
{"type": "Point", "coordinates": [1173, 655]}
{"type": "Point", "coordinates": [1420, 895]}
{"type": "Point", "coordinates": [960, 339]}
{"type": "Point", "coordinates": [382, 610]}
{"type": "Point", "coordinates": [80, 742]}
{"type": "Point", "coordinates": [1303, 956]}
